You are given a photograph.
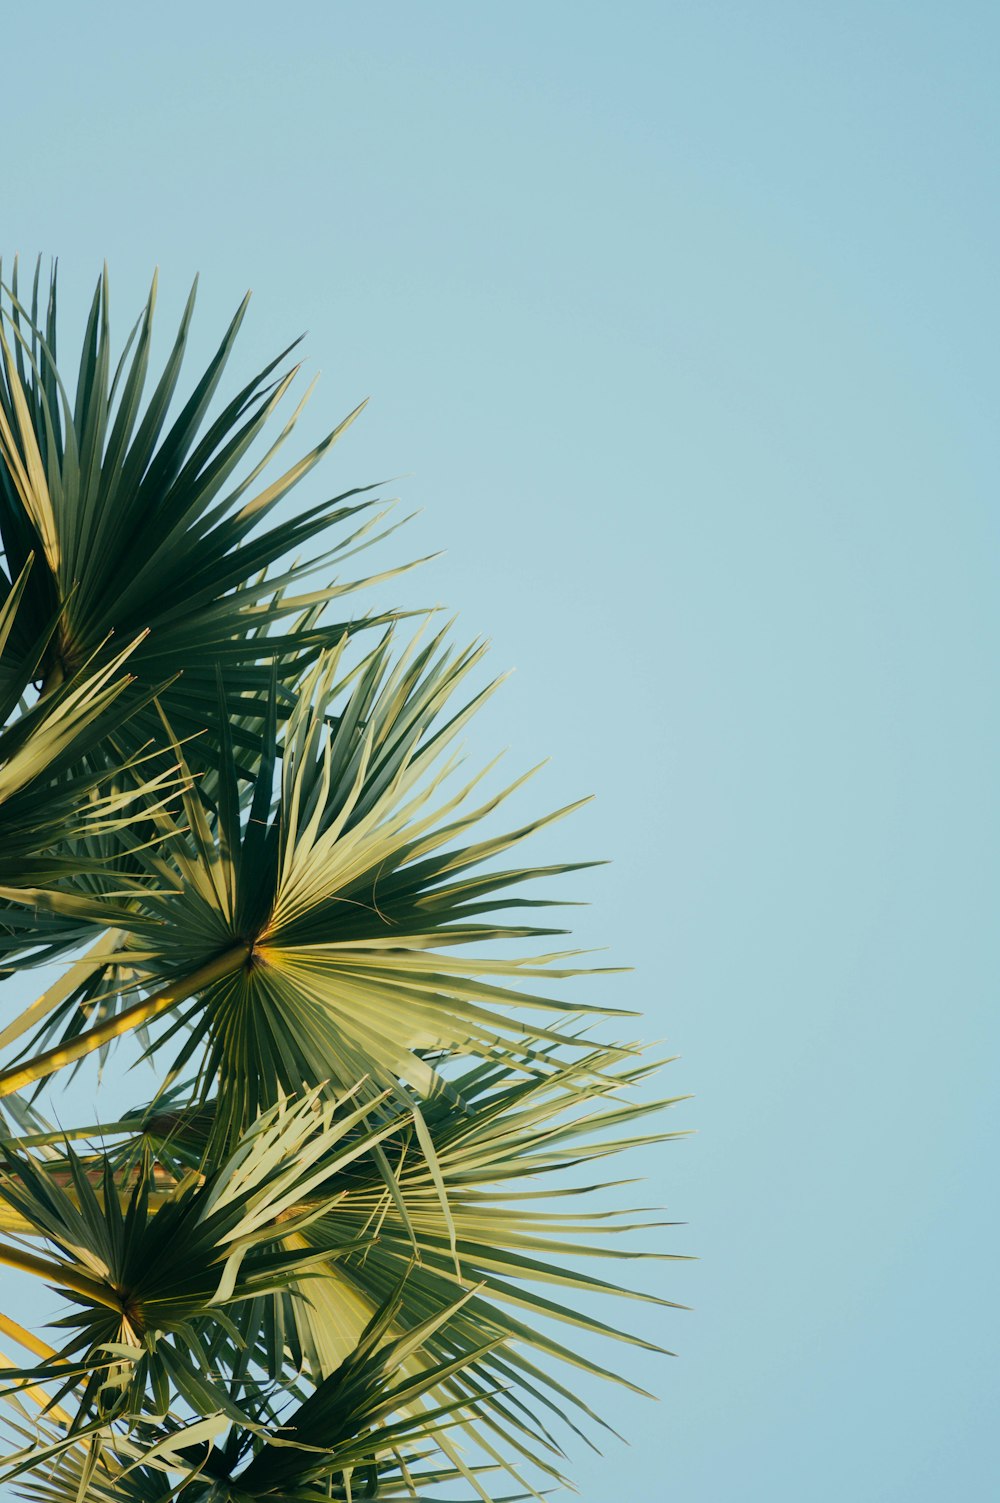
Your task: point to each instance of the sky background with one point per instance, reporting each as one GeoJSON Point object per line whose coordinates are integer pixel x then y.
{"type": "Point", "coordinates": [680, 324]}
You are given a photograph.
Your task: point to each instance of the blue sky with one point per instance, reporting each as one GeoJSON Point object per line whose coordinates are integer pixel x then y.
{"type": "Point", "coordinates": [679, 322]}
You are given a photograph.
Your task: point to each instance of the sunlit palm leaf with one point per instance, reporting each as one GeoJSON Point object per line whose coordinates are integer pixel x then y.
{"type": "Point", "coordinates": [332, 919]}
{"type": "Point", "coordinates": [524, 1250]}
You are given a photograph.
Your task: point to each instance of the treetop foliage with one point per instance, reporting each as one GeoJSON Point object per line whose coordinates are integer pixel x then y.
{"type": "Point", "coordinates": [345, 1248]}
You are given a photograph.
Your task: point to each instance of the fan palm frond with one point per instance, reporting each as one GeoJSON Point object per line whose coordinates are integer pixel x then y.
{"type": "Point", "coordinates": [526, 1245]}
{"type": "Point", "coordinates": [142, 524]}
{"type": "Point", "coordinates": [362, 1430]}
{"type": "Point", "coordinates": [317, 932]}
{"type": "Point", "coordinates": [152, 1280]}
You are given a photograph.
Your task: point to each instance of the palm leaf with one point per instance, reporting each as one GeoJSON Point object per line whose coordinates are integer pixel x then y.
{"type": "Point", "coordinates": [328, 923]}
{"type": "Point", "coordinates": [152, 1280]}
{"type": "Point", "coordinates": [55, 798]}
{"type": "Point", "coordinates": [142, 524]}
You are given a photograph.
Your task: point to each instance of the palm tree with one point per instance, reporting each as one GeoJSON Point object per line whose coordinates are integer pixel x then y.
{"type": "Point", "coordinates": [319, 1261]}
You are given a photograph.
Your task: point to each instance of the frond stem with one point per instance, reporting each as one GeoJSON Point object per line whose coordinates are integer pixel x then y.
{"type": "Point", "coordinates": [51, 1060]}
{"type": "Point", "coordinates": [44, 1268]}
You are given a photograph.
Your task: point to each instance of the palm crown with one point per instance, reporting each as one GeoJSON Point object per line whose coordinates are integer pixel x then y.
{"type": "Point", "coordinates": [316, 1263]}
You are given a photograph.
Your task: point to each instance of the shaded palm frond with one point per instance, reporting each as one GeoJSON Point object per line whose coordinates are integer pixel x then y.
{"type": "Point", "coordinates": [139, 521]}
{"type": "Point", "coordinates": [58, 803]}
{"type": "Point", "coordinates": [364, 1431]}
{"type": "Point", "coordinates": [153, 1276]}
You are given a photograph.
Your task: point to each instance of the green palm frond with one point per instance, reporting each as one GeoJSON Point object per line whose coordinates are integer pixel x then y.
{"type": "Point", "coordinates": [364, 1431]}
{"type": "Point", "coordinates": [153, 1277]}
{"type": "Point", "coordinates": [138, 522]}
{"type": "Point", "coordinates": [56, 800]}
{"type": "Point", "coordinates": [526, 1250]}
{"type": "Point", "coordinates": [328, 920]}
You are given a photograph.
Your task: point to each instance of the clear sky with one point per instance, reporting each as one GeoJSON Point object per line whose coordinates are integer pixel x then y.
{"type": "Point", "coordinates": [680, 320]}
